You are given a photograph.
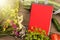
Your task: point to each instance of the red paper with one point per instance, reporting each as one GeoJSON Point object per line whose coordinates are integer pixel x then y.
{"type": "Point", "coordinates": [40, 17]}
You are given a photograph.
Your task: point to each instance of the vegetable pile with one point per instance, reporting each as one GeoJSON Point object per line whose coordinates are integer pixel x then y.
{"type": "Point", "coordinates": [37, 34]}
{"type": "Point", "coordinates": [27, 3]}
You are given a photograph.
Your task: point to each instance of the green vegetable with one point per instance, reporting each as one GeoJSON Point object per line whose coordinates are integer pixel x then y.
{"type": "Point", "coordinates": [36, 35]}
{"type": "Point", "coordinates": [57, 25]}
{"type": "Point", "coordinates": [27, 4]}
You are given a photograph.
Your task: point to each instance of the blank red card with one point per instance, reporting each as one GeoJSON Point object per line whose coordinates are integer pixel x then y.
{"type": "Point", "coordinates": [40, 17]}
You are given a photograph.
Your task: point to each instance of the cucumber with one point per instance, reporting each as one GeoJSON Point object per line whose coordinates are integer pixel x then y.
{"type": "Point", "coordinates": [27, 4]}
{"type": "Point", "coordinates": [56, 23]}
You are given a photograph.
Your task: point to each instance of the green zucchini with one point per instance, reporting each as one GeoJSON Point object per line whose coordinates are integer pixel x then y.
{"type": "Point", "coordinates": [56, 23]}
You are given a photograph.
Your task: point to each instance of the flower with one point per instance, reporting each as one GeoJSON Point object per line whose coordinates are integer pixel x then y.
{"type": "Point", "coordinates": [16, 32]}
{"type": "Point", "coordinates": [13, 24]}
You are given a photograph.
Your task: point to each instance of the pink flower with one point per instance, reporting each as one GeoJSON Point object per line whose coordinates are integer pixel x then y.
{"type": "Point", "coordinates": [13, 25]}
{"type": "Point", "coordinates": [15, 28]}
{"type": "Point", "coordinates": [16, 33]}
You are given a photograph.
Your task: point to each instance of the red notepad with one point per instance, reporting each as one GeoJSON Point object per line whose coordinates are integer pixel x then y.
{"type": "Point", "coordinates": [40, 17]}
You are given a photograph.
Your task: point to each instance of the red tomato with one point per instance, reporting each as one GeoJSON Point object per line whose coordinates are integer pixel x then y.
{"type": "Point", "coordinates": [58, 37]}
{"type": "Point", "coordinates": [54, 37]}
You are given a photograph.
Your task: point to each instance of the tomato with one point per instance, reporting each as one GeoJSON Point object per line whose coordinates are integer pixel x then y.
{"type": "Point", "coordinates": [58, 37]}
{"type": "Point", "coordinates": [54, 37]}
